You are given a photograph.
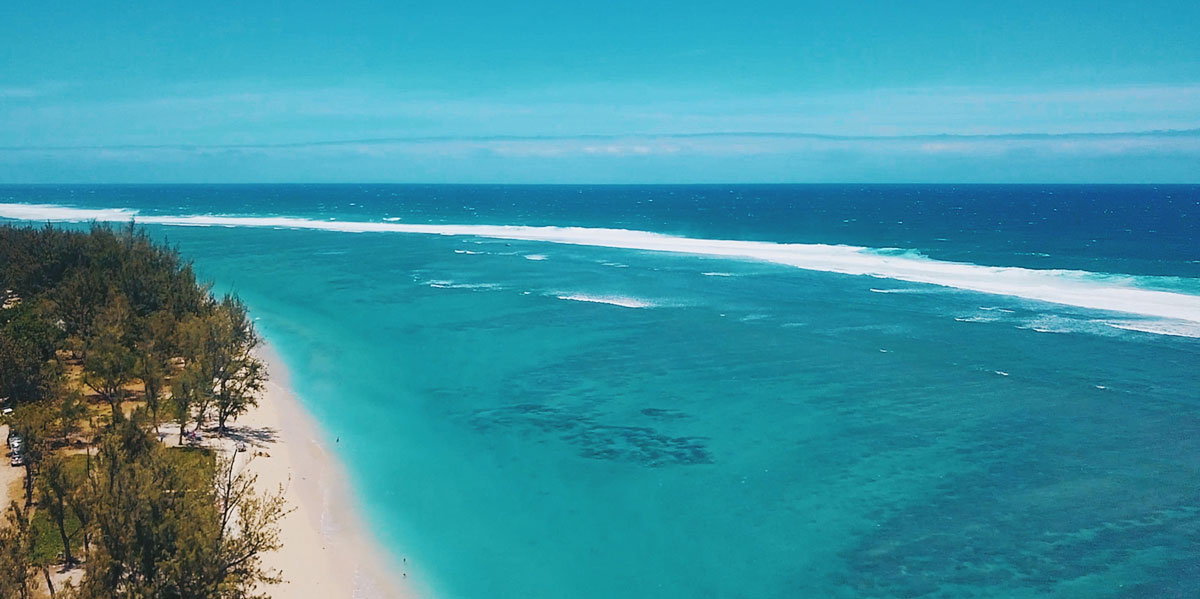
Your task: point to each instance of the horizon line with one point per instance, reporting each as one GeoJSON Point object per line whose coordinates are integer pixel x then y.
{"type": "Point", "coordinates": [596, 136]}
{"type": "Point", "coordinates": [610, 184]}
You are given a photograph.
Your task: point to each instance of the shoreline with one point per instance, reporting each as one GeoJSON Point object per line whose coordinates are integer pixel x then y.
{"type": "Point", "coordinates": [327, 548]}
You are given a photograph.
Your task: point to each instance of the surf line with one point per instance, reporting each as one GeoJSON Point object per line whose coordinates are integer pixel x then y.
{"type": "Point", "coordinates": [1082, 289]}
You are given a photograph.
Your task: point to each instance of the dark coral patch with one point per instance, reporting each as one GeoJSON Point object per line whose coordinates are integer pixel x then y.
{"type": "Point", "coordinates": [634, 444]}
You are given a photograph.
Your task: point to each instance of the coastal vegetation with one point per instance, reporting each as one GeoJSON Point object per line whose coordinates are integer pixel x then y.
{"type": "Point", "coordinates": [114, 361]}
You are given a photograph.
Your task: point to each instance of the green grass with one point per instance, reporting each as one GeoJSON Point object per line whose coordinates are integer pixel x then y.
{"type": "Point", "coordinates": [47, 542]}
{"type": "Point", "coordinates": [199, 460]}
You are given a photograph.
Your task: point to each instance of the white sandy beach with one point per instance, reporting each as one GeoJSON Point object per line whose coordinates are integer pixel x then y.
{"type": "Point", "coordinates": [328, 552]}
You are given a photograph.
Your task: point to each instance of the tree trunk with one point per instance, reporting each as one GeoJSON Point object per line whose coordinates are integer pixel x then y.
{"type": "Point", "coordinates": [28, 483]}
{"type": "Point", "coordinates": [49, 584]}
{"type": "Point", "coordinates": [152, 403]}
{"type": "Point", "coordinates": [62, 531]}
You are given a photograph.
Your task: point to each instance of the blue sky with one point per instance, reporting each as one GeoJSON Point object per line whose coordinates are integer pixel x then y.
{"type": "Point", "coordinates": [600, 92]}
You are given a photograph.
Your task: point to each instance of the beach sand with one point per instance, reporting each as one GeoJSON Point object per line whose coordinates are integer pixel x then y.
{"type": "Point", "coordinates": [328, 552]}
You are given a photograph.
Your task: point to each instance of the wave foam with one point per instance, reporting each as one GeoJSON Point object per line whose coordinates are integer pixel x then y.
{"type": "Point", "coordinates": [1117, 293]}
{"type": "Point", "coordinates": [974, 319]}
{"type": "Point", "coordinates": [615, 300]}
{"type": "Point", "coordinates": [443, 284]}
{"type": "Point", "coordinates": [900, 290]}
{"type": "Point", "coordinates": [1173, 329]}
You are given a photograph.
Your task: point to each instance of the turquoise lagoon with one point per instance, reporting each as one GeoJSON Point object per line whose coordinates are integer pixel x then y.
{"type": "Point", "coordinates": [564, 420]}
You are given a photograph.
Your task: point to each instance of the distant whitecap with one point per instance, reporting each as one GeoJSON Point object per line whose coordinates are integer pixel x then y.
{"type": "Point", "coordinates": [614, 300]}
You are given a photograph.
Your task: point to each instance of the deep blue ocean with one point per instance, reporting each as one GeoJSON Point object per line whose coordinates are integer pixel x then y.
{"type": "Point", "coordinates": [591, 412]}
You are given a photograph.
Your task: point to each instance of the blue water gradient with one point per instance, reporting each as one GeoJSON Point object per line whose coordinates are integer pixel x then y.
{"type": "Point", "coordinates": [749, 430]}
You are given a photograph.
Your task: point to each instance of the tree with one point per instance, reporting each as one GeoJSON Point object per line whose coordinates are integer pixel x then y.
{"type": "Point", "coordinates": [78, 299]}
{"type": "Point", "coordinates": [153, 361]}
{"type": "Point", "coordinates": [166, 530]}
{"type": "Point", "coordinates": [68, 412]}
{"type": "Point", "coordinates": [79, 499]}
{"type": "Point", "coordinates": [109, 365]}
{"type": "Point", "coordinates": [191, 393]}
{"type": "Point", "coordinates": [239, 375]}
{"type": "Point", "coordinates": [23, 376]}
{"type": "Point", "coordinates": [255, 532]}
{"type": "Point", "coordinates": [153, 373]}
{"type": "Point", "coordinates": [55, 486]}
{"type": "Point", "coordinates": [17, 572]}
{"type": "Point", "coordinates": [28, 371]}
{"type": "Point", "coordinates": [32, 423]}
{"type": "Point", "coordinates": [28, 321]}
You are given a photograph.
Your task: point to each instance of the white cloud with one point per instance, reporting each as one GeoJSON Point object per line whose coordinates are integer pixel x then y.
{"type": "Point", "coordinates": [300, 115]}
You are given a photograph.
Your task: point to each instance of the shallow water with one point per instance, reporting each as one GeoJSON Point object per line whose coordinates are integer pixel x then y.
{"type": "Point", "coordinates": [570, 421]}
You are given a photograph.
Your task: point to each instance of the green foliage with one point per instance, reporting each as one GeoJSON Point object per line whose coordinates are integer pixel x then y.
{"type": "Point", "coordinates": [29, 322]}
{"type": "Point", "coordinates": [28, 341]}
{"type": "Point", "coordinates": [240, 376]}
{"type": "Point", "coordinates": [167, 527]}
{"type": "Point", "coordinates": [81, 270]}
{"type": "Point", "coordinates": [33, 422]}
{"type": "Point", "coordinates": [191, 393]}
{"type": "Point", "coordinates": [199, 461]}
{"type": "Point", "coordinates": [108, 368]}
{"type": "Point", "coordinates": [146, 520]}
{"type": "Point", "coordinates": [154, 351]}
{"type": "Point", "coordinates": [17, 570]}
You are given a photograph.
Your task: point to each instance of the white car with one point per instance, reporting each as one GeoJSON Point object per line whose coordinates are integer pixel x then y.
{"type": "Point", "coordinates": [18, 458]}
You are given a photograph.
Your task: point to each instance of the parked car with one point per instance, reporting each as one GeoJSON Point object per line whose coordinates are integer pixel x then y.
{"type": "Point", "coordinates": [15, 445]}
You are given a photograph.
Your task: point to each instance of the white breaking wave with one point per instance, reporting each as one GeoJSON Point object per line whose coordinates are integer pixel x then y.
{"type": "Point", "coordinates": [1174, 329]}
{"type": "Point", "coordinates": [974, 319]}
{"type": "Point", "coordinates": [1069, 287]}
{"type": "Point", "coordinates": [442, 284]}
{"type": "Point", "coordinates": [615, 300]}
{"type": "Point", "coordinates": [896, 290]}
